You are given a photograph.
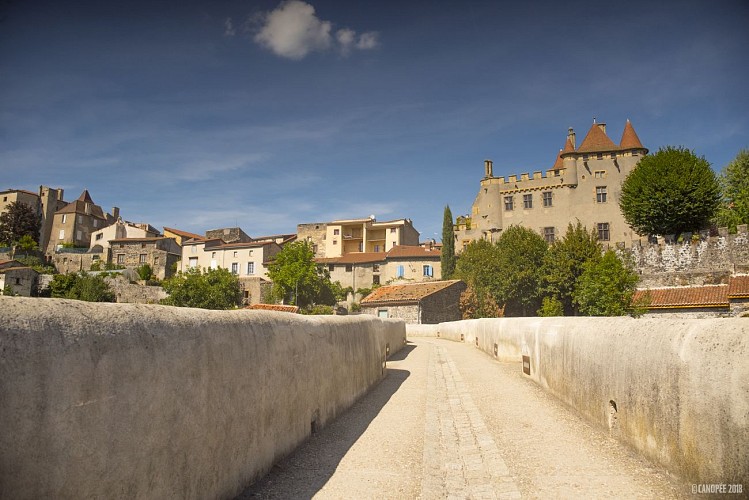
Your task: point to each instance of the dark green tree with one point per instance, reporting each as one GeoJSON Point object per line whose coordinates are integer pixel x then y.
{"type": "Point", "coordinates": [521, 254]}
{"type": "Point", "coordinates": [297, 279]}
{"type": "Point", "coordinates": [734, 183]}
{"type": "Point", "coordinates": [209, 289]}
{"type": "Point", "coordinates": [17, 221]}
{"type": "Point", "coordinates": [447, 255]}
{"type": "Point", "coordinates": [670, 192]}
{"type": "Point", "coordinates": [479, 267]}
{"type": "Point", "coordinates": [81, 286]}
{"type": "Point", "coordinates": [144, 272]}
{"type": "Point", "coordinates": [564, 264]}
{"type": "Point", "coordinates": [607, 287]}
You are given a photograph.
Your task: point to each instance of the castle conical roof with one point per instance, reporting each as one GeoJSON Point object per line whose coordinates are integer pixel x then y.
{"type": "Point", "coordinates": [597, 141]}
{"type": "Point", "coordinates": [629, 138]}
{"type": "Point", "coordinates": [85, 197]}
{"type": "Point", "coordinates": [568, 148]}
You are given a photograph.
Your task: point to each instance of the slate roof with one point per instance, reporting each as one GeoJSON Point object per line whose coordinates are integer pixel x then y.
{"type": "Point", "coordinates": [274, 307]}
{"type": "Point", "coordinates": [79, 206]}
{"type": "Point", "coordinates": [410, 293]}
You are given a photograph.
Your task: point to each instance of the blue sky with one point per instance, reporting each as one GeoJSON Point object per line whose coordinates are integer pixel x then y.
{"type": "Point", "coordinates": [259, 114]}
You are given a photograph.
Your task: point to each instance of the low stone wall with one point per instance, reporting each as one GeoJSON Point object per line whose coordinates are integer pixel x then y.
{"type": "Point", "coordinates": [680, 388]}
{"type": "Point", "coordinates": [143, 401]}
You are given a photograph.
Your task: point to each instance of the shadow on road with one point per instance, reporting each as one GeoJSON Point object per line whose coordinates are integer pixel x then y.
{"type": "Point", "coordinates": [403, 353]}
{"type": "Point", "coordinates": [308, 468]}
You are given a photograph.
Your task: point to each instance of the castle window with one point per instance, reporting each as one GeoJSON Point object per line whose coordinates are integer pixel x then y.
{"type": "Point", "coordinates": [585, 157]}
{"type": "Point", "coordinates": [250, 268]}
{"type": "Point", "coordinates": [527, 201]}
{"type": "Point", "coordinates": [120, 258]}
{"type": "Point", "coordinates": [331, 267]}
{"type": "Point", "coordinates": [64, 218]}
{"type": "Point", "coordinates": [549, 235]}
{"type": "Point", "coordinates": [375, 268]}
{"type": "Point", "coordinates": [99, 236]}
{"type": "Point", "coordinates": [599, 156]}
{"type": "Point", "coordinates": [508, 203]}
{"type": "Point", "coordinates": [601, 194]}
{"type": "Point", "coordinates": [546, 195]}
{"type": "Point", "coordinates": [599, 174]}
{"type": "Point", "coordinates": [142, 258]}
{"type": "Point", "coordinates": [613, 156]}
{"type": "Point", "coordinates": [235, 268]}
{"type": "Point", "coordinates": [603, 231]}
{"type": "Point", "coordinates": [349, 268]}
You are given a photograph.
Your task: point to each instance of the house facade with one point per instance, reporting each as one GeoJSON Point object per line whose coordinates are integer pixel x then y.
{"type": "Point", "coordinates": [100, 239]}
{"type": "Point", "coordinates": [21, 280]}
{"type": "Point", "coordinates": [341, 237]}
{"type": "Point", "coordinates": [417, 303]}
{"type": "Point", "coordinates": [160, 253]}
{"type": "Point", "coordinates": [247, 260]}
{"type": "Point", "coordinates": [583, 184]}
{"type": "Point", "coordinates": [75, 222]}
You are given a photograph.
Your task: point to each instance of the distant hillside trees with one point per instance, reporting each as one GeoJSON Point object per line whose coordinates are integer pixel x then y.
{"type": "Point", "coordinates": [447, 255]}
{"type": "Point", "coordinates": [734, 183]}
{"type": "Point", "coordinates": [670, 192]}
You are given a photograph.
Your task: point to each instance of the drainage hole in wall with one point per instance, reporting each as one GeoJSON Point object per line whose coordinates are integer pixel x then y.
{"type": "Point", "coordinates": [612, 414]}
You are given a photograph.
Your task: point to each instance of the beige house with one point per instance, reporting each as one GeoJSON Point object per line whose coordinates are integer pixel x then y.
{"type": "Point", "coordinates": [119, 230]}
{"type": "Point", "coordinates": [76, 221]}
{"type": "Point", "coordinates": [45, 203]}
{"type": "Point", "coordinates": [583, 184]}
{"type": "Point", "coordinates": [247, 260]}
{"type": "Point", "coordinates": [341, 237]}
{"type": "Point", "coordinates": [400, 264]}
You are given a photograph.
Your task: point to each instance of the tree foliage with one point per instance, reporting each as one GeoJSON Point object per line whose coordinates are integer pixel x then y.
{"type": "Point", "coordinates": [734, 183]}
{"type": "Point", "coordinates": [521, 254]}
{"type": "Point", "coordinates": [19, 220]}
{"type": "Point", "coordinates": [144, 272]}
{"type": "Point", "coordinates": [298, 280]}
{"type": "Point", "coordinates": [564, 264]}
{"type": "Point", "coordinates": [81, 286]}
{"type": "Point", "coordinates": [479, 267]}
{"type": "Point", "coordinates": [209, 289]}
{"type": "Point", "coordinates": [607, 287]}
{"type": "Point", "coordinates": [447, 255]}
{"type": "Point", "coordinates": [481, 304]}
{"type": "Point", "coordinates": [670, 192]}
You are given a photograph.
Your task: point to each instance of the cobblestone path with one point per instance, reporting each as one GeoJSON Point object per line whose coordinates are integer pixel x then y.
{"type": "Point", "coordinates": [450, 422]}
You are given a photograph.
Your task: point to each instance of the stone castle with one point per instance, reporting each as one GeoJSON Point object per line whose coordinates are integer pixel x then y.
{"type": "Point", "coordinates": [583, 184]}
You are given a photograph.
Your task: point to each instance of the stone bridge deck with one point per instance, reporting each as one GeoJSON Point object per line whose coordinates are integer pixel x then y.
{"type": "Point", "coordinates": [435, 429]}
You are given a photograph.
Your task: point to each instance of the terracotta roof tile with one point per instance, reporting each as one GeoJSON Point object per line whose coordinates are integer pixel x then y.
{"type": "Point", "coordinates": [274, 307]}
{"type": "Point", "coordinates": [597, 141]}
{"type": "Point", "coordinates": [183, 234]}
{"type": "Point", "coordinates": [738, 287]}
{"type": "Point", "coordinates": [629, 138]}
{"type": "Point", "coordinates": [410, 251]}
{"type": "Point", "coordinates": [686, 297]}
{"type": "Point", "coordinates": [408, 293]}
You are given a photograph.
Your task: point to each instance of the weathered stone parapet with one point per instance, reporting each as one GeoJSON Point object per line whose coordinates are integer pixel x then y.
{"type": "Point", "coordinates": [142, 401]}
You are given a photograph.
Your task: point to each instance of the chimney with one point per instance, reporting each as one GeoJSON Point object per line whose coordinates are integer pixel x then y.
{"type": "Point", "coordinates": [115, 213]}
{"type": "Point", "coordinates": [602, 126]}
{"type": "Point", "coordinates": [571, 136]}
{"type": "Point", "coordinates": [488, 170]}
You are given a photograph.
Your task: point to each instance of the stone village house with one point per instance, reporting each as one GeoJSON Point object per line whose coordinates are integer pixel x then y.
{"type": "Point", "coordinates": [417, 303]}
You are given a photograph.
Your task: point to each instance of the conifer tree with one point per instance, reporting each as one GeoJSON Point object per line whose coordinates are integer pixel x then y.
{"type": "Point", "coordinates": [447, 256]}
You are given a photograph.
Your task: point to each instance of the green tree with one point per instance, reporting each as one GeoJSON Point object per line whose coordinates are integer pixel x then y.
{"type": "Point", "coordinates": [297, 279]}
{"type": "Point", "coordinates": [521, 254]}
{"type": "Point", "coordinates": [479, 266]}
{"type": "Point", "coordinates": [480, 304]}
{"type": "Point", "coordinates": [734, 183]}
{"type": "Point", "coordinates": [144, 272]}
{"type": "Point", "coordinates": [563, 265]}
{"type": "Point", "coordinates": [17, 221]}
{"type": "Point", "coordinates": [551, 306]}
{"type": "Point", "coordinates": [670, 192]}
{"type": "Point", "coordinates": [607, 287]}
{"type": "Point", "coordinates": [209, 289]}
{"type": "Point", "coordinates": [447, 255]}
{"type": "Point", "coordinates": [81, 286]}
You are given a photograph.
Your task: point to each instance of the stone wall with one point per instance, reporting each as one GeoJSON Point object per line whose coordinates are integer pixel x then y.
{"type": "Point", "coordinates": [443, 305]}
{"type": "Point", "coordinates": [315, 233]}
{"type": "Point", "coordinates": [702, 261]}
{"type": "Point", "coordinates": [679, 386]}
{"type": "Point", "coordinates": [131, 293]}
{"type": "Point", "coordinates": [142, 401]}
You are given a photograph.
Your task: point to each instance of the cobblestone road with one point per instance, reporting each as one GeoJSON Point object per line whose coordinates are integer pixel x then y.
{"type": "Point", "coordinates": [450, 422]}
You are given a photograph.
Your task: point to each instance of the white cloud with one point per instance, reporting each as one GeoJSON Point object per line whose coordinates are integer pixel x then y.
{"type": "Point", "coordinates": [293, 30]}
{"type": "Point", "coordinates": [229, 27]}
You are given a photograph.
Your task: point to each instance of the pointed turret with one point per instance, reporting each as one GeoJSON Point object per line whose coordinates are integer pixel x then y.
{"type": "Point", "coordinates": [630, 139]}
{"type": "Point", "coordinates": [597, 141]}
{"type": "Point", "coordinates": [568, 148]}
{"type": "Point", "coordinates": [85, 197]}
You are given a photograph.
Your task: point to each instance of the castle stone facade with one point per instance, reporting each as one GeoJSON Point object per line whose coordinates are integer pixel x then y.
{"type": "Point", "coordinates": [583, 184]}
